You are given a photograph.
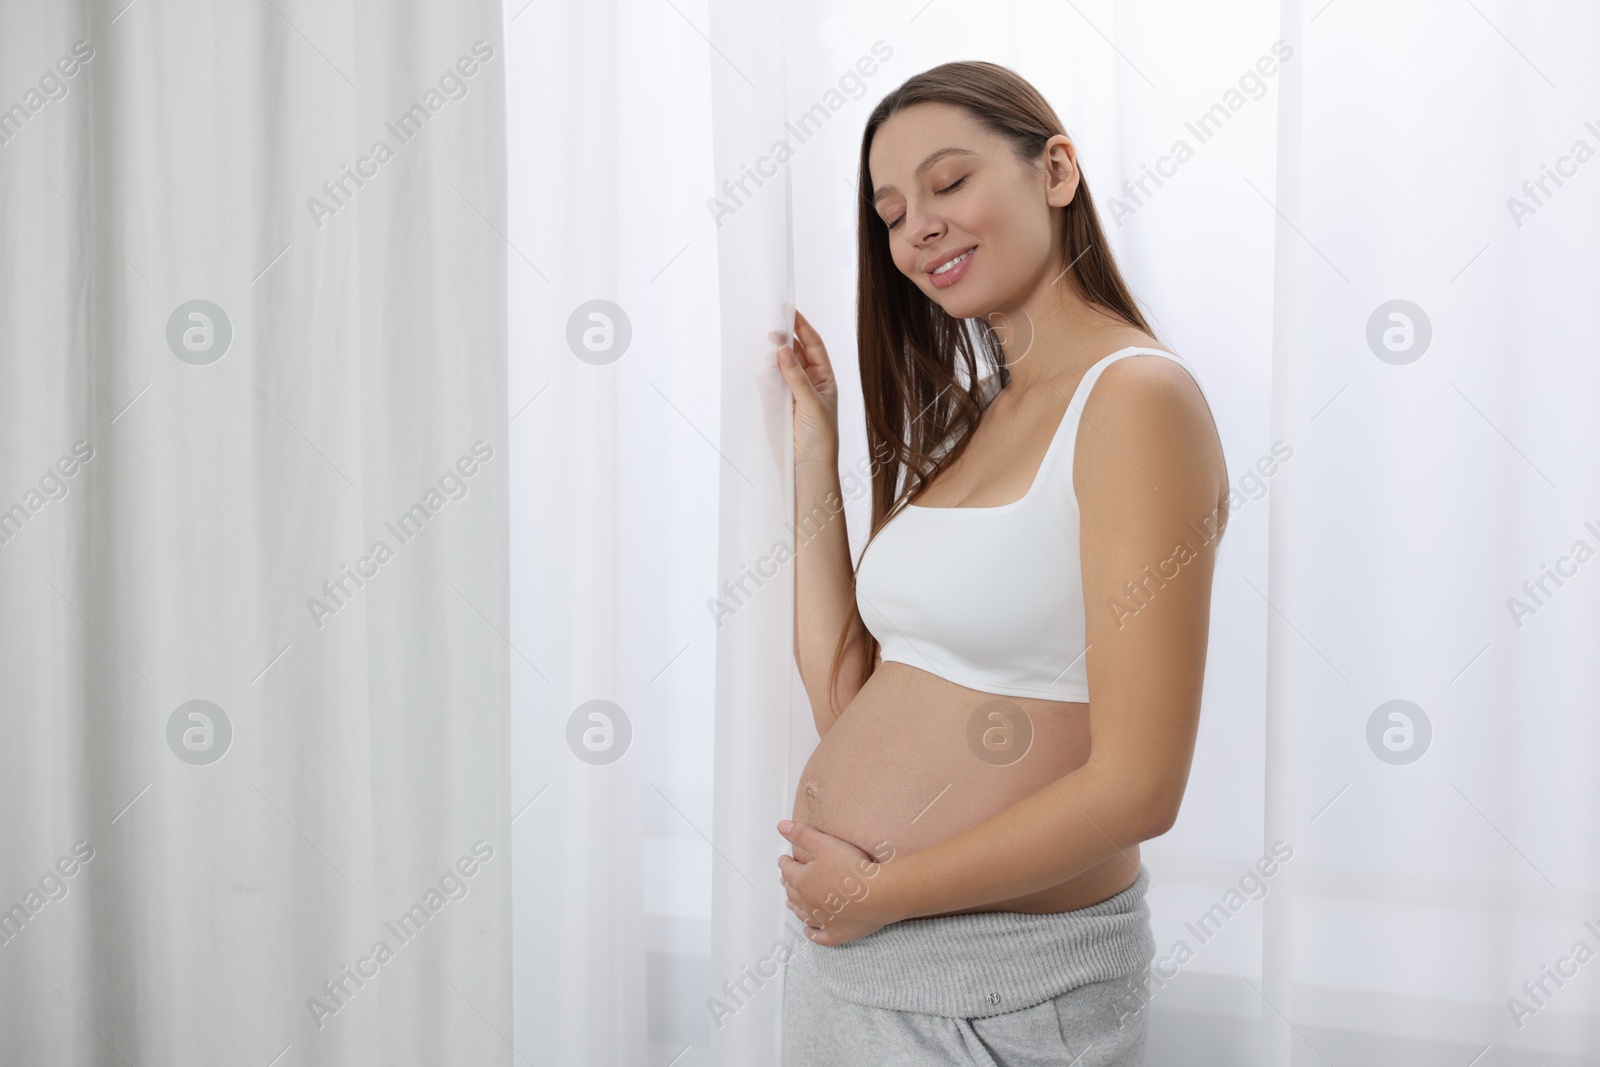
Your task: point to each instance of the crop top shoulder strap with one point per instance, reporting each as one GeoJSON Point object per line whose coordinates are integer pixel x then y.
{"type": "Point", "coordinates": [1054, 477]}
{"type": "Point", "coordinates": [1067, 433]}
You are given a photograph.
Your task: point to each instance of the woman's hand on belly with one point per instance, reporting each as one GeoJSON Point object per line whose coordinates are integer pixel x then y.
{"type": "Point", "coordinates": [831, 890]}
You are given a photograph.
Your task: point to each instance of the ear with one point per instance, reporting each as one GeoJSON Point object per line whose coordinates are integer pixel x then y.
{"type": "Point", "coordinates": [1060, 159]}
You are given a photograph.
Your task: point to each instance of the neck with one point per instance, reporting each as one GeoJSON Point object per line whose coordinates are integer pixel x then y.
{"type": "Point", "coordinates": [1050, 332]}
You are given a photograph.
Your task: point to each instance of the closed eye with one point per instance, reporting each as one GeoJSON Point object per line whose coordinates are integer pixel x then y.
{"type": "Point", "coordinates": [937, 192]}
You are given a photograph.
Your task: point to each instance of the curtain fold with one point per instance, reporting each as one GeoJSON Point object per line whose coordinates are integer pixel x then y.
{"type": "Point", "coordinates": [755, 705]}
{"type": "Point", "coordinates": [619, 439]}
{"type": "Point", "coordinates": [580, 720]}
{"type": "Point", "coordinates": [1430, 708]}
{"type": "Point", "coordinates": [252, 459]}
{"type": "Point", "coordinates": [396, 517]}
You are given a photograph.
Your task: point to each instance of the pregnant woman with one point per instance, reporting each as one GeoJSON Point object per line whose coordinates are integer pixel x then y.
{"type": "Point", "coordinates": [1007, 687]}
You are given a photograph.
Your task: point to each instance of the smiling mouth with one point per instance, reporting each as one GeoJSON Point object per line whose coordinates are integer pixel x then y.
{"type": "Point", "coordinates": [951, 271]}
{"type": "Point", "coordinates": [947, 265]}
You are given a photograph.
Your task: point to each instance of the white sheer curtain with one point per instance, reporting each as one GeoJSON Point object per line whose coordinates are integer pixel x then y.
{"type": "Point", "coordinates": [528, 346]}
{"type": "Point", "coordinates": [652, 708]}
{"type": "Point", "coordinates": [1431, 726]}
{"type": "Point", "coordinates": [647, 910]}
{"type": "Point", "coordinates": [241, 348]}
{"type": "Point", "coordinates": [1273, 179]}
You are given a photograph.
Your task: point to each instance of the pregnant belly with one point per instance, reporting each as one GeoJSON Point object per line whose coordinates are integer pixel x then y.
{"type": "Point", "coordinates": [915, 760]}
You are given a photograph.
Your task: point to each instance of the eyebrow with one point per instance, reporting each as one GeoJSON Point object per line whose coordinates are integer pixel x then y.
{"type": "Point", "coordinates": [922, 168]}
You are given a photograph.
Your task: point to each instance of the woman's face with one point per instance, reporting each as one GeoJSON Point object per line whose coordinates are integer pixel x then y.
{"type": "Point", "coordinates": [945, 186]}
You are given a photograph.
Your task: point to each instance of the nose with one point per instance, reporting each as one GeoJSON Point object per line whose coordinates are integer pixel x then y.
{"type": "Point", "coordinates": [922, 229]}
{"type": "Point", "coordinates": [931, 237]}
{"type": "Point", "coordinates": [931, 231]}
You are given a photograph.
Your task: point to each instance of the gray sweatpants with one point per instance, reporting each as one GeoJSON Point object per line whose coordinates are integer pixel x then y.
{"type": "Point", "coordinates": [991, 989]}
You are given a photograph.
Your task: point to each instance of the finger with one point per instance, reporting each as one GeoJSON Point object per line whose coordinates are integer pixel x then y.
{"type": "Point", "coordinates": [805, 836]}
{"type": "Point", "coordinates": [809, 340]}
{"type": "Point", "coordinates": [802, 357]}
{"type": "Point", "coordinates": [805, 917]}
{"type": "Point", "coordinates": [817, 369]}
{"type": "Point", "coordinates": [805, 331]}
{"type": "Point", "coordinates": [795, 374]}
{"type": "Point", "coordinates": [812, 356]}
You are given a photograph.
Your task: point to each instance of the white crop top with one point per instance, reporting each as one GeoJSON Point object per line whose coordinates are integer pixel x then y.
{"type": "Point", "coordinates": [991, 598]}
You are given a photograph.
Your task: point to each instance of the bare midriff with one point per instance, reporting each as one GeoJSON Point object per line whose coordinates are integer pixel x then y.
{"type": "Point", "coordinates": [916, 759]}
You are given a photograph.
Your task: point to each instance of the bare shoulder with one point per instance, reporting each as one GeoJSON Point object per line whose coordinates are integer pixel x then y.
{"type": "Point", "coordinates": [1146, 378]}
{"type": "Point", "coordinates": [1153, 390]}
{"type": "Point", "coordinates": [1147, 420]}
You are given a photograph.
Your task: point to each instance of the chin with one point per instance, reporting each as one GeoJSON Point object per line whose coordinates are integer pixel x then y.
{"type": "Point", "coordinates": [965, 306]}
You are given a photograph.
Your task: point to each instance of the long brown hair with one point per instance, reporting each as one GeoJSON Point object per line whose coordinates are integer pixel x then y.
{"type": "Point", "coordinates": [908, 346]}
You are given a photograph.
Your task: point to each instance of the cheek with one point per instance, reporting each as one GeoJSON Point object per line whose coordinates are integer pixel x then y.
{"type": "Point", "coordinates": [906, 260]}
{"type": "Point", "coordinates": [903, 255]}
{"type": "Point", "coordinates": [1016, 245]}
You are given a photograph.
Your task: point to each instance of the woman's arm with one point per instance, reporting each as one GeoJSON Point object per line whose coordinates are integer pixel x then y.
{"type": "Point", "coordinates": [1152, 491]}
{"type": "Point", "coordinates": [824, 594]}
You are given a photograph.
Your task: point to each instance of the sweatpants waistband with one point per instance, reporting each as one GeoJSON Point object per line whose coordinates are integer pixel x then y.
{"type": "Point", "coordinates": [986, 963]}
